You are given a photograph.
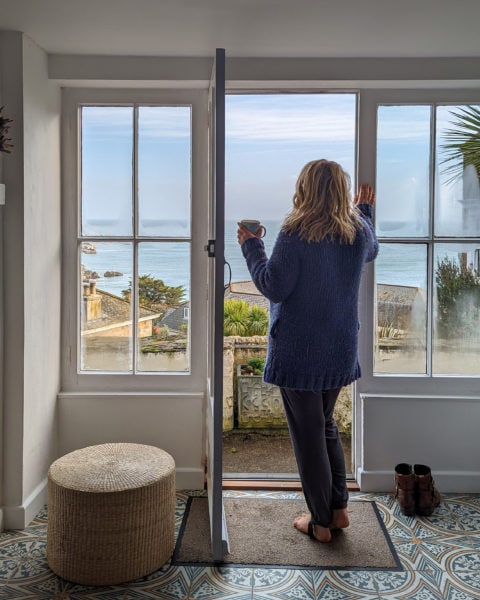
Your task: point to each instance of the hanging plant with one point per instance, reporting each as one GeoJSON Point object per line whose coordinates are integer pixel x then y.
{"type": "Point", "coordinates": [5, 144]}
{"type": "Point", "coordinates": [462, 142]}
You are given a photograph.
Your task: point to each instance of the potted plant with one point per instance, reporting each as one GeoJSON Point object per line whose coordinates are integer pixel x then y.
{"type": "Point", "coordinates": [254, 366]}
{"type": "Point", "coordinates": [5, 145]}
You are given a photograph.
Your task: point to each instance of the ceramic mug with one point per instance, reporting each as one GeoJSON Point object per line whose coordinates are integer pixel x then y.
{"type": "Point", "coordinates": [253, 226]}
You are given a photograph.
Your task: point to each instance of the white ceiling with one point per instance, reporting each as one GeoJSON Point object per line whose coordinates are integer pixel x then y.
{"type": "Point", "coordinates": [246, 28]}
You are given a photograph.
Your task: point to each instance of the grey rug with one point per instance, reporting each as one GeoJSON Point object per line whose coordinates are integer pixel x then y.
{"type": "Point", "coordinates": [261, 532]}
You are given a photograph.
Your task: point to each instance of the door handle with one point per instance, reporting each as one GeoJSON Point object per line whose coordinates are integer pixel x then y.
{"type": "Point", "coordinates": [210, 248]}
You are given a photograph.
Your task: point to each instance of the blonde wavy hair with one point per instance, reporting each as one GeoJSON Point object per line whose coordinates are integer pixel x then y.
{"type": "Point", "coordinates": [322, 205]}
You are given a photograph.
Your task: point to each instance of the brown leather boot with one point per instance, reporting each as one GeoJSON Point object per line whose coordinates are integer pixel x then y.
{"type": "Point", "coordinates": [405, 488]}
{"type": "Point", "coordinates": [427, 496]}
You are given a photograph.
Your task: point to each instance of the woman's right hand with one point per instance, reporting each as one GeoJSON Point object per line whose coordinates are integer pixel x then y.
{"type": "Point", "coordinates": [243, 234]}
{"type": "Point", "coordinates": [365, 195]}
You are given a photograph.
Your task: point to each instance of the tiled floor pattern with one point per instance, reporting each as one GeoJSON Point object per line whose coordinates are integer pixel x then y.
{"type": "Point", "coordinates": [440, 556]}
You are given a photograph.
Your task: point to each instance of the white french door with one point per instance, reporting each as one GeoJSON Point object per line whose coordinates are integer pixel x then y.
{"type": "Point", "coordinates": [215, 249]}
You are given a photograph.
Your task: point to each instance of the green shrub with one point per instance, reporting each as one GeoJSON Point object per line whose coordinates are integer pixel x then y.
{"type": "Point", "coordinates": [161, 333]}
{"type": "Point", "coordinates": [388, 331]}
{"type": "Point", "coordinates": [458, 298]}
{"type": "Point", "coordinates": [153, 292]}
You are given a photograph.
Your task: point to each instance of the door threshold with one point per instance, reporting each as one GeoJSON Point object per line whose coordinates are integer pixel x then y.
{"type": "Point", "coordinates": [273, 484]}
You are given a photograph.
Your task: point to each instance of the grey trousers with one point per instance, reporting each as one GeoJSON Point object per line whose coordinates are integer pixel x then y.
{"type": "Point", "coordinates": [318, 450]}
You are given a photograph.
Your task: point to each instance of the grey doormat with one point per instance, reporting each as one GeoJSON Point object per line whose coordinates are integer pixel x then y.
{"type": "Point", "coordinates": [261, 532]}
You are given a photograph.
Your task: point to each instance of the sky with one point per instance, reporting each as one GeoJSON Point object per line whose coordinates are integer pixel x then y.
{"type": "Point", "coordinates": [269, 138]}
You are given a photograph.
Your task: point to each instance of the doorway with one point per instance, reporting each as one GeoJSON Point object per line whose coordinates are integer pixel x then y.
{"type": "Point", "coordinates": [269, 137]}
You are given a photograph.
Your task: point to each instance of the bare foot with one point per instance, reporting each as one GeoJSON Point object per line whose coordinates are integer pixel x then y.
{"type": "Point", "coordinates": [322, 534]}
{"type": "Point", "coordinates": [340, 519]}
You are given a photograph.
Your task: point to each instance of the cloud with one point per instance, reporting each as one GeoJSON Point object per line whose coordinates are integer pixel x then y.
{"type": "Point", "coordinates": [165, 121]}
{"type": "Point", "coordinates": [113, 120]}
{"type": "Point", "coordinates": [109, 122]}
{"type": "Point", "coordinates": [292, 118]}
{"type": "Point", "coordinates": [404, 123]}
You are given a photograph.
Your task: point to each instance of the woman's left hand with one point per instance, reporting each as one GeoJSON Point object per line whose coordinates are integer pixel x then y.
{"type": "Point", "coordinates": [365, 195]}
{"type": "Point", "coordinates": [243, 234]}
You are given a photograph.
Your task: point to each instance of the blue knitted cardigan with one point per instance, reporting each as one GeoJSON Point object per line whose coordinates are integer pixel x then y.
{"type": "Point", "coordinates": [313, 289]}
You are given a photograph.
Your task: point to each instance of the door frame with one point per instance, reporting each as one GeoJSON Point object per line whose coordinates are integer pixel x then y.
{"type": "Point", "coordinates": [215, 249]}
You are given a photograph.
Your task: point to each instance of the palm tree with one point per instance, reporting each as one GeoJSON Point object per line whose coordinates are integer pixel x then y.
{"type": "Point", "coordinates": [258, 320]}
{"type": "Point", "coordinates": [244, 320]}
{"type": "Point", "coordinates": [462, 142]}
{"type": "Point", "coordinates": [235, 317]}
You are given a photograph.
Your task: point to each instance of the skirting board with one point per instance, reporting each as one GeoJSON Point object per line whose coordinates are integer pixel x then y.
{"type": "Point", "coordinates": [467, 482]}
{"type": "Point", "coordinates": [189, 479]}
{"type": "Point", "coordinates": [19, 517]}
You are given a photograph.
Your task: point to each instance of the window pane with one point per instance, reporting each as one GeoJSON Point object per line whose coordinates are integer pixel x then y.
{"type": "Point", "coordinates": [403, 157]}
{"type": "Point", "coordinates": [107, 143]}
{"type": "Point", "coordinates": [106, 319]}
{"type": "Point", "coordinates": [164, 170]}
{"type": "Point", "coordinates": [457, 309]}
{"type": "Point", "coordinates": [164, 292]}
{"type": "Point", "coordinates": [457, 197]}
{"type": "Point", "coordinates": [401, 283]}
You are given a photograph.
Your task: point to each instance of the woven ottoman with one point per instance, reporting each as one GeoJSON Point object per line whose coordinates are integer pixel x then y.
{"type": "Point", "coordinates": [111, 513]}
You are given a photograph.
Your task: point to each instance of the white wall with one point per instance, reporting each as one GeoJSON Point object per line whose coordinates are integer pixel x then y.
{"type": "Point", "coordinates": [31, 278]}
{"type": "Point", "coordinates": [173, 422]}
{"type": "Point", "coordinates": [439, 431]}
{"type": "Point", "coordinates": [42, 257]}
{"type": "Point", "coordinates": [1, 309]}
{"type": "Point", "coordinates": [273, 72]}
{"type": "Point", "coordinates": [12, 91]}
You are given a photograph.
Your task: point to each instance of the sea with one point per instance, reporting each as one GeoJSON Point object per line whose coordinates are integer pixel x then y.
{"type": "Point", "coordinates": [396, 264]}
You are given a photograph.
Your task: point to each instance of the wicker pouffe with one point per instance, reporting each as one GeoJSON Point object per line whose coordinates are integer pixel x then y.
{"type": "Point", "coordinates": [111, 513]}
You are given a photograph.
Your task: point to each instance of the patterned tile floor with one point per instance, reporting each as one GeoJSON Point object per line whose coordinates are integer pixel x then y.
{"type": "Point", "coordinates": [440, 556]}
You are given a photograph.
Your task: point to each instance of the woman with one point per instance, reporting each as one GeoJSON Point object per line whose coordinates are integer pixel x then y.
{"type": "Point", "coordinates": [312, 280]}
